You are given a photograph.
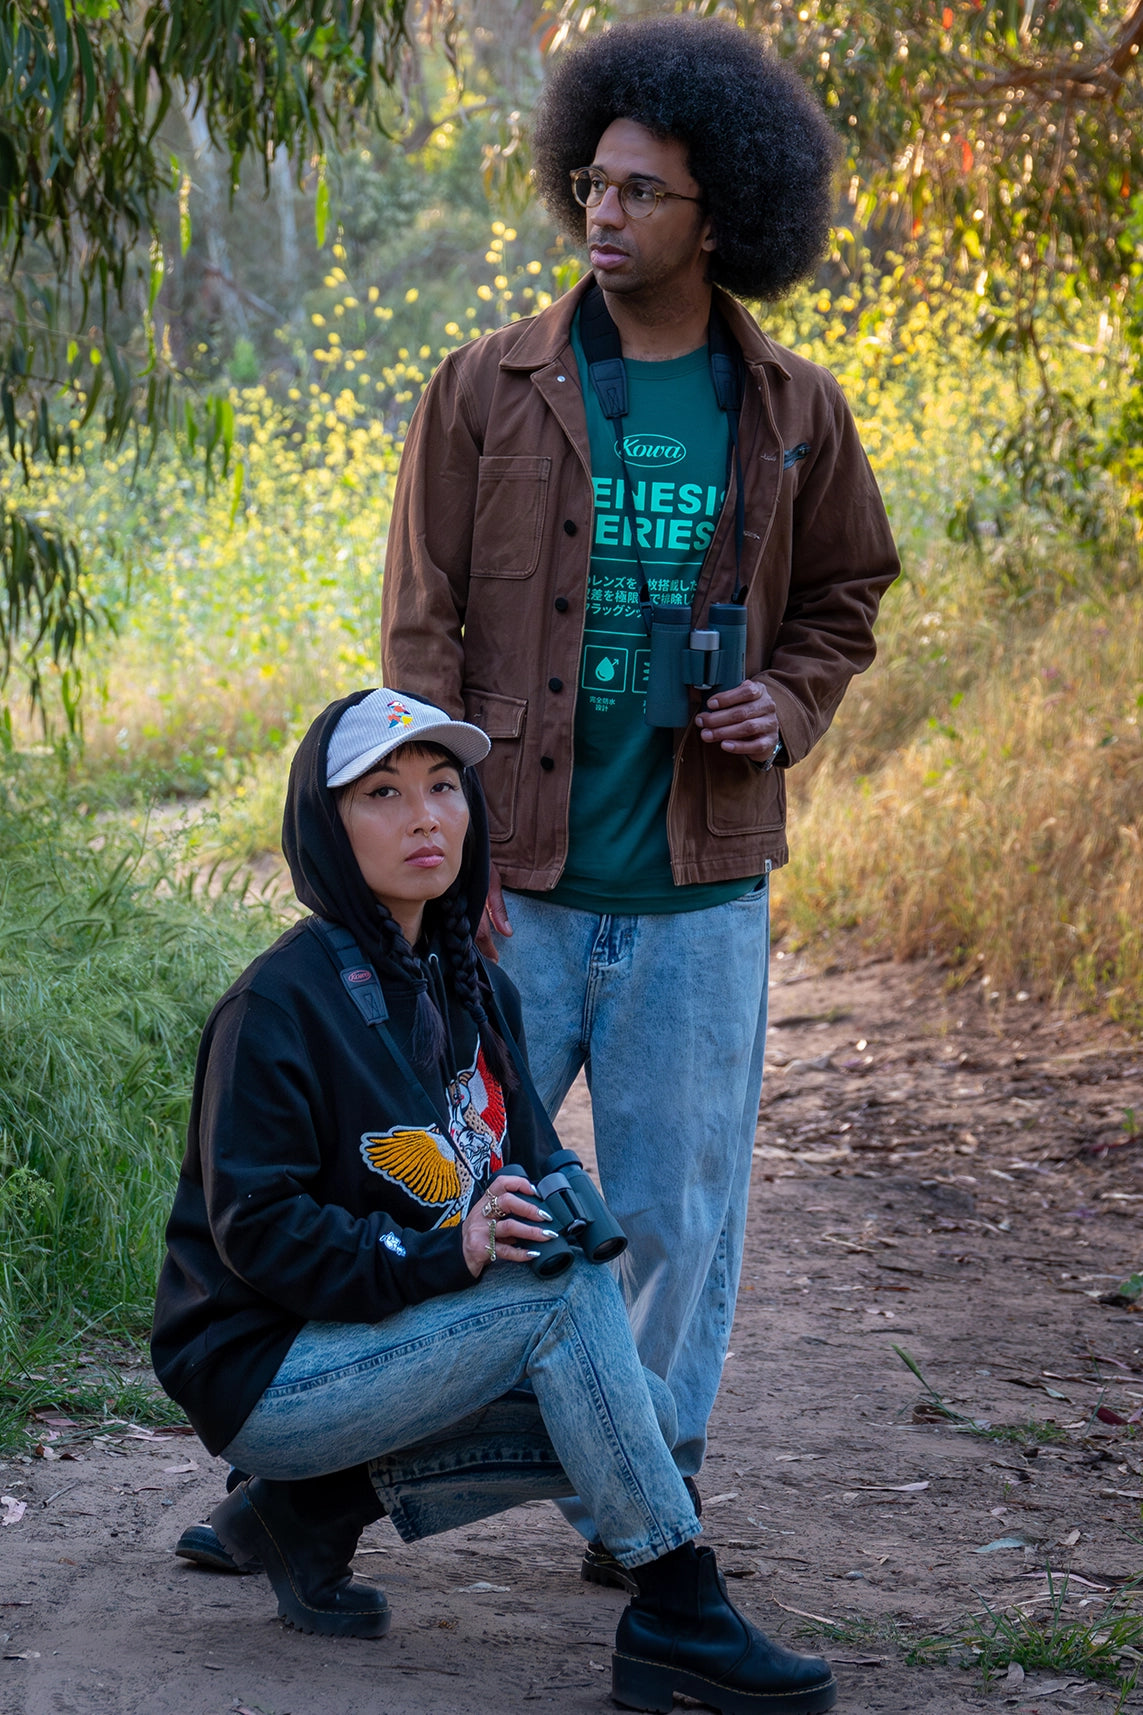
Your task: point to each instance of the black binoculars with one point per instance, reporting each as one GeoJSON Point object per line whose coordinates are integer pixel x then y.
{"type": "Point", "coordinates": [579, 1216]}
{"type": "Point", "coordinates": [711, 660]}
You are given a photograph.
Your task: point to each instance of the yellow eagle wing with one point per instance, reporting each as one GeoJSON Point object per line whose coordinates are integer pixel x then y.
{"type": "Point", "coordinates": [416, 1161]}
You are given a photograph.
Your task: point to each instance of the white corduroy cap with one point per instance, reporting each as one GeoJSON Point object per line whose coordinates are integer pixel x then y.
{"type": "Point", "coordinates": [382, 721]}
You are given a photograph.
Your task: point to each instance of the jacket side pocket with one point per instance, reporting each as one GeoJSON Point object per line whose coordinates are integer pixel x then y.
{"type": "Point", "coordinates": [741, 799]}
{"type": "Point", "coordinates": [503, 719]}
{"type": "Point", "coordinates": [508, 526]}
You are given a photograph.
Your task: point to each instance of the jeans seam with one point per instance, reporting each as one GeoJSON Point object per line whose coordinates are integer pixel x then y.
{"type": "Point", "coordinates": [652, 1529]}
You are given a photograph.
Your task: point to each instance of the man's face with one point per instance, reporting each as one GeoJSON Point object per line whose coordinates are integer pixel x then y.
{"type": "Point", "coordinates": [665, 249]}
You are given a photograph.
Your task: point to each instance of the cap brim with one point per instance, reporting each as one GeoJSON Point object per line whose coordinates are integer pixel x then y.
{"type": "Point", "coordinates": [467, 743]}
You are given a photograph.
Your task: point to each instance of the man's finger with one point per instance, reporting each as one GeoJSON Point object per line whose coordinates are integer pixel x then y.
{"type": "Point", "coordinates": [484, 942]}
{"type": "Point", "coordinates": [496, 910]}
{"type": "Point", "coordinates": [748, 692]}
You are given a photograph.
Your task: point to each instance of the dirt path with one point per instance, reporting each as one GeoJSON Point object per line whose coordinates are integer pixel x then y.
{"type": "Point", "coordinates": [932, 1172]}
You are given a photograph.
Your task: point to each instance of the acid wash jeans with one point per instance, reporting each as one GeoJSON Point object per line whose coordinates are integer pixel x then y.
{"type": "Point", "coordinates": [667, 1014]}
{"type": "Point", "coordinates": [517, 1389]}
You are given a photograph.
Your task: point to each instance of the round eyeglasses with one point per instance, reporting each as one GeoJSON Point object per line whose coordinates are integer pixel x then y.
{"type": "Point", "coordinates": [637, 197]}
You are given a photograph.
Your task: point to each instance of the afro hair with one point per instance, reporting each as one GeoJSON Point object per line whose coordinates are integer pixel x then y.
{"type": "Point", "coordinates": [757, 142]}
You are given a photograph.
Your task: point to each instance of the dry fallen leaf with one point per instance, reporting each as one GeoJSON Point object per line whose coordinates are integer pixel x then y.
{"type": "Point", "coordinates": [1070, 1540]}
{"type": "Point", "coordinates": [891, 1488]}
{"type": "Point", "coordinates": [1015, 1674]}
{"type": "Point", "coordinates": [803, 1614]}
{"type": "Point", "coordinates": [14, 1510]}
{"type": "Point", "coordinates": [180, 1470]}
{"type": "Point", "coordinates": [717, 1500]}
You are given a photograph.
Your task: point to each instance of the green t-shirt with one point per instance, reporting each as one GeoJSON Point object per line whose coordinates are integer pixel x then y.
{"type": "Point", "coordinates": [676, 442]}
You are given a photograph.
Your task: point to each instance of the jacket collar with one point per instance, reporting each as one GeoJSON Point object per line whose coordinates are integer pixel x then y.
{"type": "Point", "coordinates": [544, 338]}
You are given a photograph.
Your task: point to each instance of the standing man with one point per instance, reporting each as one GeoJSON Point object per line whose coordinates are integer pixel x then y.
{"type": "Point", "coordinates": [639, 445]}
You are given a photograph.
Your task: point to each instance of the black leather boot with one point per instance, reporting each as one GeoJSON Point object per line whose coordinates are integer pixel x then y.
{"type": "Point", "coordinates": [682, 1633]}
{"type": "Point", "coordinates": [305, 1534]}
{"type": "Point", "coordinates": [200, 1545]}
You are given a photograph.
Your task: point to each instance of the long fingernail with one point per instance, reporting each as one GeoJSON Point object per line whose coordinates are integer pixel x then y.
{"type": "Point", "coordinates": [531, 1253]}
{"type": "Point", "coordinates": [543, 1214]}
{"type": "Point", "coordinates": [547, 1233]}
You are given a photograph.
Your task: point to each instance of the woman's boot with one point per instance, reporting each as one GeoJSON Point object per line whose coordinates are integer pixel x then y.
{"type": "Point", "coordinates": [682, 1633]}
{"type": "Point", "coordinates": [305, 1534]}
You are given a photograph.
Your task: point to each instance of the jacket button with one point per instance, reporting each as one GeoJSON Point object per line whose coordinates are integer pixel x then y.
{"type": "Point", "coordinates": [561, 604]}
{"type": "Point", "coordinates": [547, 763]}
{"type": "Point", "coordinates": [555, 684]}
{"type": "Point", "coordinates": [570, 526]}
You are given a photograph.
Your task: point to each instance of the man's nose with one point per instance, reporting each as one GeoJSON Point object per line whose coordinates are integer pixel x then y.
{"type": "Point", "coordinates": [609, 211]}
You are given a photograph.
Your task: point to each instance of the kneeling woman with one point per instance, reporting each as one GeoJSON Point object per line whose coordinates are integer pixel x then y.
{"type": "Point", "coordinates": [328, 1314]}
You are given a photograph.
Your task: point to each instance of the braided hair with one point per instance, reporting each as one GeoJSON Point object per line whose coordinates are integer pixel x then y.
{"type": "Point", "coordinates": [464, 969]}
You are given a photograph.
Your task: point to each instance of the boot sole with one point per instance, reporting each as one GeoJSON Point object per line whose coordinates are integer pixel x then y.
{"type": "Point", "coordinates": [639, 1684]}
{"type": "Point", "coordinates": [248, 1537]}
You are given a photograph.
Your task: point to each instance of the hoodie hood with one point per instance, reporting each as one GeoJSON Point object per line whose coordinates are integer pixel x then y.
{"type": "Point", "coordinates": [326, 875]}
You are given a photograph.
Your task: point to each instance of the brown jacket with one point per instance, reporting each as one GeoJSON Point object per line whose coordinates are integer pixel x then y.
{"type": "Point", "coordinates": [486, 582]}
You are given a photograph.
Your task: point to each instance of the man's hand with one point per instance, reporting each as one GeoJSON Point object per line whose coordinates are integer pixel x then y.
{"type": "Point", "coordinates": [743, 720]}
{"type": "Point", "coordinates": [495, 917]}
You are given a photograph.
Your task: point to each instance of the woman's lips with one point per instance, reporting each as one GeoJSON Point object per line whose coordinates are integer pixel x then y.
{"type": "Point", "coordinates": [427, 858]}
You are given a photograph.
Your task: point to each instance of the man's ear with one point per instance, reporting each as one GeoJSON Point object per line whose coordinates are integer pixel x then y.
{"type": "Point", "coordinates": [709, 241]}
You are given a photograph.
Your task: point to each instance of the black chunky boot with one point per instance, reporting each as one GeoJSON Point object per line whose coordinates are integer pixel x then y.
{"type": "Point", "coordinates": [682, 1633]}
{"type": "Point", "coordinates": [599, 1565]}
{"type": "Point", "coordinates": [200, 1545]}
{"type": "Point", "coordinates": [305, 1534]}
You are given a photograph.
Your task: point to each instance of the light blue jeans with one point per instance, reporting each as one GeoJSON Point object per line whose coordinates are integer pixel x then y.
{"type": "Point", "coordinates": [668, 1016]}
{"type": "Point", "coordinates": [517, 1389]}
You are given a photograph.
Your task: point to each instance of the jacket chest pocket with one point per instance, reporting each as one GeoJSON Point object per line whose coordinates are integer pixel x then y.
{"type": "Point", "coordinates": [508, 527]}
{"type": "Point", "coordinates": [502, 719]}
{"type": "Point", "coordinates": [742, 799]}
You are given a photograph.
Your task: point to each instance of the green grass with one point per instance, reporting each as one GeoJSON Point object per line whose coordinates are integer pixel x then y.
{"type": "Point", "coordinates": [111, 956]}
{"type": "Point", "coordinates": [1092, 1646]}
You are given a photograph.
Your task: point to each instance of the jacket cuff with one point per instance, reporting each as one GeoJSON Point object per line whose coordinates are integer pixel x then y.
{"type": "Point", "coordinates": [797, 738]}
{"type": "Point", "coordinates": [438, 1262]}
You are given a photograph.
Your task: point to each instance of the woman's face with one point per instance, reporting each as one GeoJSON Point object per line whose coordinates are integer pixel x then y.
{"type": "Point", "coordinates": [406, 820]}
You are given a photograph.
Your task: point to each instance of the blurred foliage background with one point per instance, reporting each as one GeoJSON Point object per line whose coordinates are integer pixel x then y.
{"type": "Point", "coordinates": [205, 383]}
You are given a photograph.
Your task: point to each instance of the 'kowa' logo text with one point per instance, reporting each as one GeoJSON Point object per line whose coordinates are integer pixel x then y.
{"type": "Point", "coordinates": [651, 449]}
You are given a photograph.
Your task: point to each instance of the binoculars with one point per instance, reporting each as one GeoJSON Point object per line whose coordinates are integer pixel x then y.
{"type": "Point", "coordinates": [580, 1217]}
{"type": "Point", "coordinates": [712, 660]}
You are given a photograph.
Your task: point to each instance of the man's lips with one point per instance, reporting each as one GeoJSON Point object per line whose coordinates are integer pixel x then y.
{"type": "Point", "coordinates": [603, 255]}
{"type": "Point", "coordinates": [425, 857]}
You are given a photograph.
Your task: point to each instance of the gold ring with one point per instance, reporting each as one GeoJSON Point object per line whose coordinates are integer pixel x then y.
{"type": "Point", "coordinates": [492, 1241]}
{"type": "Point", "coordinates": [492, 1209]}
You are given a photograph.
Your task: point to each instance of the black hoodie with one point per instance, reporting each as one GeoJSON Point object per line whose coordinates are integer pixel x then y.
{"type": "Point", "coordinates": [326, 1178]}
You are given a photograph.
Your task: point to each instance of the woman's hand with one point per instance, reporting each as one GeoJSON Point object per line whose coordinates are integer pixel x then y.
{"type": "Point", "coordinates": [517, 1238]}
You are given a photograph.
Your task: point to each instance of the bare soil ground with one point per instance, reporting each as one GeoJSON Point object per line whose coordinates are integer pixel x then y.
{"type": "Point", "coordinates": [934, 1171]}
